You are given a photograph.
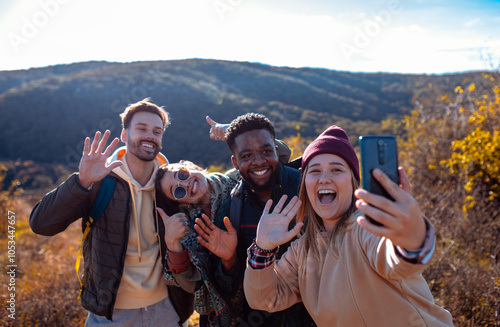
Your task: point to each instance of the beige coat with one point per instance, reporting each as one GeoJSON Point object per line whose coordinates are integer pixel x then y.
{"type": "Point", "coordinates": [369, 285]}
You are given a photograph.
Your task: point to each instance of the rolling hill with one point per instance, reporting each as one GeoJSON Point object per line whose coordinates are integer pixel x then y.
{"type": "Point", "coordinates": [47, 112]}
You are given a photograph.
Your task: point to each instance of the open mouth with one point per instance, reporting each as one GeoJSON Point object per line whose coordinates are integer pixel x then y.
{"type": "Point", "coordinates": [149, 146]}
{"type": "Point", "coordinates": [194, 188]}
{"type": "Point", "coordinates": [326, 196]}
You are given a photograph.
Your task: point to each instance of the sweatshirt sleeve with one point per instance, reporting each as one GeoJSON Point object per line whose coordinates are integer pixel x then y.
{"type": "Point", "coordinates": [59, 208]}
{"type": "Point", "coordinates": [385, 258]}
{"type": "Point", "coordinates": [276, 287]}
{"type": "Point", "coordinates": [181, 272]}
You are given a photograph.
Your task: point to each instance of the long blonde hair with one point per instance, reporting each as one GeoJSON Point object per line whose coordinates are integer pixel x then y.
{"type": "Point", "coordinates": [313, 224]}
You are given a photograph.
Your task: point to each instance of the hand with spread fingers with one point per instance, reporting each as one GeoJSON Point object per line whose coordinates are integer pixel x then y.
{"type": "Point", "coordinates": [217, 131]}
{"type": "Point", "coordinates": [219, 242]}
{"type": "Point", "coordinates": [272, 230]}
{"type": "Point", "coordinates": [402, 220]}
{"type": "Point", "coordinates": [176, 226]}
{"type": "Point", "coordinates": [93, 166]}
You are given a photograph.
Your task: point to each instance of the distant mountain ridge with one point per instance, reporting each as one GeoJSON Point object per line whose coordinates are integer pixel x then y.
{"type": "Point", "coordinates": [47, 112]}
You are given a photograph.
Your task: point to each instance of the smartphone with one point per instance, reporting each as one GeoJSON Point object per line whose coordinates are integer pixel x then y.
{"type": "Point", "coordinates": [378, 151]}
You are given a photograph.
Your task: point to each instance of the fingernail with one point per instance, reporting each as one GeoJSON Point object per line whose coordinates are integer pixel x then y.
{"type": "Point", "coordinates": [361, 204]}
{"type": "Point", "coordinates": [360, 192]}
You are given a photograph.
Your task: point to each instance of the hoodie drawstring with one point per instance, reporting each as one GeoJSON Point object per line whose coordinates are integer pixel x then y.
{"type": "Point", "coordinates": [136, 220]}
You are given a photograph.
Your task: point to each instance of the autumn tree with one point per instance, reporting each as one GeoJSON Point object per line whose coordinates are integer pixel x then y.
{"type": "Point", "coordinates": [451, 151]}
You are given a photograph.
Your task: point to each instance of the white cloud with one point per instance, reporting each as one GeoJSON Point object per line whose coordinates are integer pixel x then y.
{"type": "Point", "coordinates": [415, 28]}
{"type": "Point", "coordinates": [472, 22]}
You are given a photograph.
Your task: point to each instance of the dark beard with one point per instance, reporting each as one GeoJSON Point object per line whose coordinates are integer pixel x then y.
{"type": "Point", "coordinates": [259, 188]}
{"type": "Point", "coordinates": [136, 151]}
{"type": "Point", "coordinates": [146, 157]}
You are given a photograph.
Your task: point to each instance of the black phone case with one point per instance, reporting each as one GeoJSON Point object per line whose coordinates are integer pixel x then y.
{"type": "Point", "coordinates": [378, 151]}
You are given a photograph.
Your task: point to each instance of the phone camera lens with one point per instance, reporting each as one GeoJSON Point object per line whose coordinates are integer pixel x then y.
{"type": "Point", "coordinates": [380, 142]}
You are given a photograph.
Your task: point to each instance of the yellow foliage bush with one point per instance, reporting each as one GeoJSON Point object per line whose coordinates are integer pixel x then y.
{"type": "Point", "coordinates": [450, 151]}
{"type": "Point", "coordinates": [297, 143]}
{"type": "Point", "coordinates": [475, 157]}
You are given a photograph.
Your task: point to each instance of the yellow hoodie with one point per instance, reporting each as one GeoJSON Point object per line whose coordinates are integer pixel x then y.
{"type": "Point", "coordinates": [142, 280]}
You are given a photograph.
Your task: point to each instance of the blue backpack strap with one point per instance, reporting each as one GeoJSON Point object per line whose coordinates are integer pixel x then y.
{"type": "Point", "coordinates": [101, 202]}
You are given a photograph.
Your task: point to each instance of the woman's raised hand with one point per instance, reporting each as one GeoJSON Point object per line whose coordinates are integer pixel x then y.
{"type": "Point", "coordinates": [220, 242]}
{"type": "Point", "coordinates": [273, 227]}
{"type": "Point", "coordinates": [176, 227]}
{"type": "Point", "coordinates": [402, 220]}
{"type": "Point", "coordinates": [217, 131]}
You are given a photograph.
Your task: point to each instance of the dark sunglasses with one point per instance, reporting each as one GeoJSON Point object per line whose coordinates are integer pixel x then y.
{"type": "Point", "coordinates": [180, 191]}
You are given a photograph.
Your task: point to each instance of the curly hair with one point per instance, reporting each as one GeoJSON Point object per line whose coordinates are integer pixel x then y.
{"type": "Point", "coordinates": [246, 123]}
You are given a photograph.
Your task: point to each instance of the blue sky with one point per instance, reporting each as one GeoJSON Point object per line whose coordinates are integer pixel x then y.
{"type": "Point", "coordinates": [396, 36]}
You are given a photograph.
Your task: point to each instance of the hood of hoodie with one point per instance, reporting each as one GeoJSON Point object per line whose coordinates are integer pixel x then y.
{"type": "Point", "coordinates": [124, 172]}
{"type": "Point", "coordinates": [142, 227]}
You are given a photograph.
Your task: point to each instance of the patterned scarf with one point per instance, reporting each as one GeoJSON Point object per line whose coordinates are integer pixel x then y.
{"type": "Point", "coordinates": [208, 300]}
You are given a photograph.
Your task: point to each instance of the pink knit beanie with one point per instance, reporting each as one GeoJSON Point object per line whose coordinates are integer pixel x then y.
{"type": "Point", "coordinates": [333, 140]}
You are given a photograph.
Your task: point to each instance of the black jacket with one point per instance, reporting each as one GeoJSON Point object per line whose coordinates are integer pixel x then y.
{"type": "Point", "coordinates": [244, 210]}
{"type": "Point", "coordinates": [105, 247]}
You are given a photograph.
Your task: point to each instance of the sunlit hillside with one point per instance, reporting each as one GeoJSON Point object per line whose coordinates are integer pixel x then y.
{"type": "Point", "coordinates": [449, 142]}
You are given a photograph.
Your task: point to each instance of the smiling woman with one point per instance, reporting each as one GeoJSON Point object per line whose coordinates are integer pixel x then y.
{"type": "Point", "coordinates": [185, 191]}
{"type": "Point", "coordinates": [345, 270]}
{"type": "Point", "coordinates": [185, 183]}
